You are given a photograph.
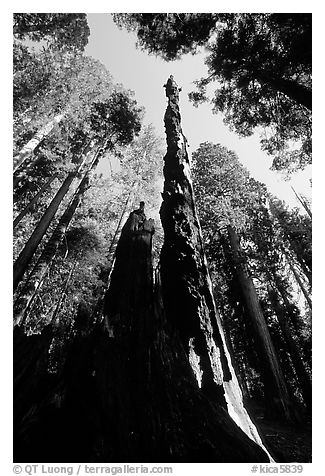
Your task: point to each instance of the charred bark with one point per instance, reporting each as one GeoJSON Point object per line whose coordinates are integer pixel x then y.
{"type": "Point", "coordinates": [186, 284]}
{"type": "Point", "coordinates": [127, 391]}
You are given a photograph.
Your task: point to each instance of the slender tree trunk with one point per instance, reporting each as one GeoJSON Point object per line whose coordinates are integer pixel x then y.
{"type": "Point", "coordinates": [299, 93]}
{"type": "Point", "coordinates": [25, 152]}
{"type": "Point", "coordinates": [303, 203]}
{"type": "Point", "coordinates": [300, 283]}
{"type": "Point", "coordinates": [184, 272]}
{"type": "Point", "coordinates": [29, 249]}
{"type": "Point", "coordinates": [306, 267]}
{"type": "Point", "coordinates": [300, 370]}
{"type": "Point", "coordinates": [36, 277]}
{"type": "Point", "coordinates": [33, 201]}
{"type": "Point", "coordinates": [276, 393]}
{"type": "Point", "coordinates": [293, 319]}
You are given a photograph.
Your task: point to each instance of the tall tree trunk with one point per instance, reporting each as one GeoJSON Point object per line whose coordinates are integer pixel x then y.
{"type": "Point", "coordinates": [303, 203]}
{"type": "Point", "coordinates": [29, 249]}
{"type": "Point", "coordinates": [299, 367]}
{"type": "Point", "coordinates": [186, 284]}
{"type": "Point", "coordinates": [33, 201]}
{"type": "Point", "coordinates": [36, 277]}
{"type": "Point", "coordinates": [300, 283]}
{"type": "Point", "coordinates": [28, 148]}
{"type": "Point", "coordinates": [276, 393]}
{"type": "Point", "coordinates": [305, 266]}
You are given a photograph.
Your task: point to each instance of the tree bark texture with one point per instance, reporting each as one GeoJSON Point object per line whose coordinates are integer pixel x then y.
{"type": "Point", "coordinates": [276, 393]}
{"type": "Point", "coordinates": [186, 285]}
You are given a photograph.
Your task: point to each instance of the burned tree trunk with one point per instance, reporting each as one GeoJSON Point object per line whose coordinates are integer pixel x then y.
{"type": "Point", "coordinates": [127, 392]}
{"type": "Point", "coordinates": [186, 285]}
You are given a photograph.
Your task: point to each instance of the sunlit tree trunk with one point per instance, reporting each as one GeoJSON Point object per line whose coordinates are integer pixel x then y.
{"type": "Point", "coordinates": [36, 277]}
{"type": "Point", "coordinates": [303, 203]}
{"type": "Point", "coordinates": [28, 148]}
{"type": "Point", "coordinates": [30, 247]}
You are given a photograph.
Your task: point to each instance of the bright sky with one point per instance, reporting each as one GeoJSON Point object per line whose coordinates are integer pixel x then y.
{"type": "Point", "coordinates": [145, 75]}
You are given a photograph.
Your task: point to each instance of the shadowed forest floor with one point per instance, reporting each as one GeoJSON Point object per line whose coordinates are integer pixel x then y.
{"type": "Point", "coordinates": [287, 442]}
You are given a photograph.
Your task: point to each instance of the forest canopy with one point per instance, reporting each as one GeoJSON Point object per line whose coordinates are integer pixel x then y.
{"type": "Point", "coordinates": [259, 66]}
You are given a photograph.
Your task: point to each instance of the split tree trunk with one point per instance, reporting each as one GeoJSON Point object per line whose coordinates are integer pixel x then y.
{"type": "Point", "coordinates": [127, 392]}
{"type": "Point", "coordinates": [186, 285]}
{"type": "Point", "coordinates": [275, 390]}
